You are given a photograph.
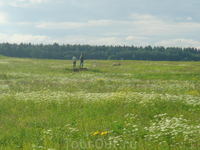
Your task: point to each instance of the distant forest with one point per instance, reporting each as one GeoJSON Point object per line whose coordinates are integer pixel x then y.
{"type": "Point", "coordinates": [56, 51]}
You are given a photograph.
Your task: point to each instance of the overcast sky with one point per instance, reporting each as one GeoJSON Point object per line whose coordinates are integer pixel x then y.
{"type": "Point", "coordinates": [101, 22]}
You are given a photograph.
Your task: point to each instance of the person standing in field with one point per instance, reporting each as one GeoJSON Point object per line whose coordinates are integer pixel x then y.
{"type": "Point", "coordinates": [74, 59]}
{"type": "Point", "coordinates": [81, 60]}
{"type": "Point", "coordinates": [95, 64]}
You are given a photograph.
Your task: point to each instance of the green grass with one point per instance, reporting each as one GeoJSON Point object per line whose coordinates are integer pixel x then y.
{"type": "Point", "coordinates": [139, 105]}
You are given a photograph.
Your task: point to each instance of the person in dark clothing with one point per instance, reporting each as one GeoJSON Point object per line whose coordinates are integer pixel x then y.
{"type": "Point", "coordinates": [81, 60]}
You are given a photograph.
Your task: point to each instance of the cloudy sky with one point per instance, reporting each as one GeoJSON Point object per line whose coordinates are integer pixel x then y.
{"type": "Point", "coordinates": [101, 22]}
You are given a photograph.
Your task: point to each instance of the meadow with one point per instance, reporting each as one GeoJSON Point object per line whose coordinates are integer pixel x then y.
{"type": "Point", "coordinates": [139, 105]}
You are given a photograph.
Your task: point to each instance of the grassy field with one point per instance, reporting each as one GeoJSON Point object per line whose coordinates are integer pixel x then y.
{"type": "Point", "coordinates": [141, 105]}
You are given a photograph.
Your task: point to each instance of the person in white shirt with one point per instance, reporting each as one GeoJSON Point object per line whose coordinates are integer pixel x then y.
{"type": "Point", "coordinates": [74, 59]}
{"type": "Point", "coordinates": [95, 64]}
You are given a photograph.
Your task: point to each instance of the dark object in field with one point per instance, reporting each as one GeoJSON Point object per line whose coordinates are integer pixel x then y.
{"type": "Point", "coordinates": [80, 69]}
{"type": "Point", "coordinates": [116, 64]}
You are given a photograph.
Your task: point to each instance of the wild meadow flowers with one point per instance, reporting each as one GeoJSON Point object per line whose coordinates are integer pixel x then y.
{"type": "Point", "coordinates": [138, 105]}
{"type": "Point", "coordinates": [96, 133]}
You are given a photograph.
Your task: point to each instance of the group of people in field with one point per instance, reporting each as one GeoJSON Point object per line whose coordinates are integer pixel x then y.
{"type": "Point", "coordinates": [81, 58]}
{"type": "Point", "coordinates": [74, 59]}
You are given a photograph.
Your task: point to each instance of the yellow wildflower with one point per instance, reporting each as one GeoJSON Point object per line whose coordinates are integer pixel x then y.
{"type": "Point", "coordinates": [100, 80]}
{"type": "Point", "coordinates": [104, 133]}
{"type": "Point", "coordinates": [195, 93]}
{"type": "Point", "coordinates": [95, 133]}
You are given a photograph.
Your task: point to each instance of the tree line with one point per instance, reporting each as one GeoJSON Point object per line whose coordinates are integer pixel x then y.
{"type": "Point", "coordinates": [66, 51]}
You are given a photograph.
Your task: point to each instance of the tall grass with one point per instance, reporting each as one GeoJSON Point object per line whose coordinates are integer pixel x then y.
{"type": "Point", "coordinates": [139, 105]}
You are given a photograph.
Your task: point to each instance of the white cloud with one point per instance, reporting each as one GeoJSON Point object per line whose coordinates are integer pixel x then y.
{"type": "Point", "coordinates": [71, 39]}
{"type": "Point", "coordinates": [189, 18]}
{"type": "Point", "coordinates": [25, 3]}
{"type": "Point", "coordinates": [179, 43]}
{"type": "Point", "coordinates": [2, 2]}
{"type": "Point", "coordinates": [106, 41]}
{"type": "Point", "coordinates": [4, 37]}
{"type": "Point", "coordinates": [135, 38]}
{"type": "Point", "coordinates": [144, 17]}
{"type": "Point", "coordinates": [24, 23]}
{"type": "Point", "coordinates": [3, 17]}
{"type": "Point", "coordinates": [39, 1]}
{"type": "Point", "coordinates": [73, 25]}
{"type": "Point", "coordinates": [19, 38]}
{"type": "Point", "coordinates": [147, 25]}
